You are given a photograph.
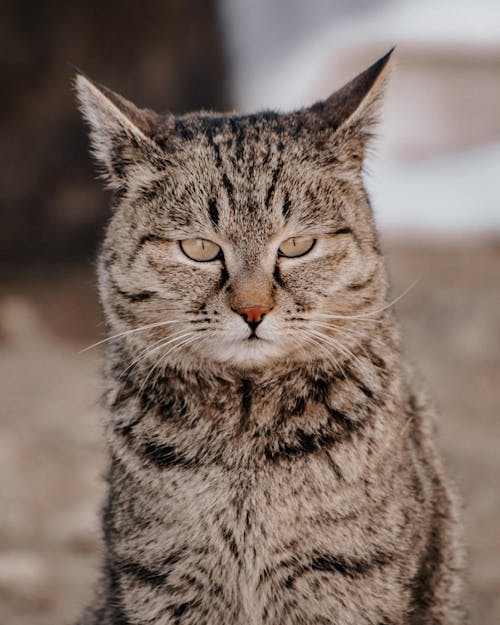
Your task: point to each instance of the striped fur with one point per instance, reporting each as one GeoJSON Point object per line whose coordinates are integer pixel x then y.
{"type": "Point", "coordinates": [289, 480]}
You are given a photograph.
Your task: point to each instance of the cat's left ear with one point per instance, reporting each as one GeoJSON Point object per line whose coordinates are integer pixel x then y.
{"type": "Point", "coordinates": [344, 122]}
{"type": "Point", "coordinates": [121, 135]}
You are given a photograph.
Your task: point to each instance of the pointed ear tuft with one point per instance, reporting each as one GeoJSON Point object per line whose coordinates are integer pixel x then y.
{"type": "Point", "coordinates": [120, 133]}
{"type": "Point", "coordinates": [352, 111]}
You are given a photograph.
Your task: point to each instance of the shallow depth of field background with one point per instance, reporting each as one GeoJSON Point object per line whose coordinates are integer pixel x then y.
{"type": "Point", "coordinates": [435, 184]}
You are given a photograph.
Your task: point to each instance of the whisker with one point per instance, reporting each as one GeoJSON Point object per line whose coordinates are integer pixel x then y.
{"type": "Point", "coordinates": [338, 345]}
{"type": "Point", "coordinates": [156, 366]}
{"type": "Point", "coordinates": [157, 324]}
{"type": "Point", "coordinates": [348, 317]}
{"type": "Point", "coordinates": [370, 339]}
{"type": "Point", "coordinates": [186, 341]}
{"type": "Point", "coordinates": [168, 341]}
{"type": "Point", "coordinates": [366, 315]}
{"type": "Point", "coordinates": [356, 331]}
{"type": "Point", "coordinates": [164, 340]}
{"type": "Point", "coordinates": [196, 338]}
{"type": "Point", "coordinates": [349, 335]}
{"type": "Point", "coordinates": [319, 344]}
{"type": "Point", "coordinates": [325, 350]}
{"type": "Point", "coordinates": [343, 333]}
{"type": "Point", "coordinates": [396, 299]}
{"type": "Point", "coordinates": [298, 345]}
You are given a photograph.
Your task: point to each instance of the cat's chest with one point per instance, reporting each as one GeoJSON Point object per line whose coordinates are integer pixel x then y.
{"type": "Point", "coordinates": [243, 521]}
{"type": "Point", "coordinates": [240, 536]}
{"type": "Point", "coordinates": [247, 522]}
{"type": "Point", "coordinates": [248, 484]}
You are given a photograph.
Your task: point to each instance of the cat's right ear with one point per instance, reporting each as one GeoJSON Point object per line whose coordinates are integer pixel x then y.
{"type": "Point", "coordinates": [120, 135]}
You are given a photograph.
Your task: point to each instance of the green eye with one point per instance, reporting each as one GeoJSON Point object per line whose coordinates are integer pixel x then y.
{"type": "Point", "coordinates": [201, 250]}
{"type": "Point", "coordinates": [296, 246]}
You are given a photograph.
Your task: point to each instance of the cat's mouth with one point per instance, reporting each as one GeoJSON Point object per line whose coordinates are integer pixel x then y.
{"type": "Point", "coordinates": [250, 350]}
{"type": "Point", "coordinates": [255, 337]}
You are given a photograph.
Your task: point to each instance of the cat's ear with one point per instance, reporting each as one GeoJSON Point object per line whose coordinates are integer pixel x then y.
{"type": "Point", "coordinates": [120, 135]}
{"type": "Point", "coordinates": [350, 114]}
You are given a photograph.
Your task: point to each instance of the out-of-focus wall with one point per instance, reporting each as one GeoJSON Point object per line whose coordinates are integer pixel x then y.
{"type": "Point", "coordinates": [167, 55]}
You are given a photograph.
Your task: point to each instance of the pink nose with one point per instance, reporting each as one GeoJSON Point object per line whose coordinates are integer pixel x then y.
{"type": "Point", "coordinates": [253, 314]}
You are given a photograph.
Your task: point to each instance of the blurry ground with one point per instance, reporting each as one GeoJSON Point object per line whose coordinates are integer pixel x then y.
{"type": "Point", "coordinates": [51, 455]}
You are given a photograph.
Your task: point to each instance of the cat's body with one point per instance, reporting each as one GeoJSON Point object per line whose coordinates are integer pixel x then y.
{"type": "Point", "coordinates": [288, 480]}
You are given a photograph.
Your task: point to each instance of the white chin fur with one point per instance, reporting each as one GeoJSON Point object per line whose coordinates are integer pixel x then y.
{"type": "Point", "coordinates": [244, 352]}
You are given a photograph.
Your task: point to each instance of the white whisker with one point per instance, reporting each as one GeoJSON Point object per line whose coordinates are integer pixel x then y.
{"type": "Point", "coordinates": [347, 317]}
{"type": "Point", "coordinates": [157, 324]}
{"type": "Point", "coordinates": [165, 340]}
{"type": "Point", "coordinates": [338, 330]}
{"type": "Point", "coordinates": [339, 346]}
{"type": "Point", "coordinates": [366, 316]}
{"type": "Point", "coordinates": [320, 345]}
{"type": "Point", "coordinates": [187, 341]}
{"type": "Point", "coordinates": [298, 345]}
{"type": "Point", "coordinates": [157, 365]}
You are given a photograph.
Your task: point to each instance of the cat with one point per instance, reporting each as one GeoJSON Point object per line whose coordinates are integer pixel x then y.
{"type": "Point", "coordinates": [271, 460]}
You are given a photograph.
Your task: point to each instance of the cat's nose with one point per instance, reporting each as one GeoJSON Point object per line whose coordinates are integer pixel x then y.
{"type": "Point", "coordinates": [253, 315]}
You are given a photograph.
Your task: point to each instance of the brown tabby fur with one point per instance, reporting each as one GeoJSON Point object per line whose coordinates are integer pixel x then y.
{"type": "Point", "coordinates": [285, 479]}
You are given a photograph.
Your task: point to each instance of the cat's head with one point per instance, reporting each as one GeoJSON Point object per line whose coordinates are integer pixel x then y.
{"type": "Point", "coordinates": [241, 240]}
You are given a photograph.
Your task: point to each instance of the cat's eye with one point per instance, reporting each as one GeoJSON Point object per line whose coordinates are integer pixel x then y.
{"type": "Point", "coordinates": [201, 250]}
{"type": "Point", "coordinates": [296, 246]}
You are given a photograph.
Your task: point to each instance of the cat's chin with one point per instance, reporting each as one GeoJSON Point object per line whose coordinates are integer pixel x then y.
{"type": "Point", "coordinates": [247, 353]}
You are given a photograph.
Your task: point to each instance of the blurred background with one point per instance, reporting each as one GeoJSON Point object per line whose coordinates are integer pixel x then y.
{"type": "Point", "coordinates": [434, 179]}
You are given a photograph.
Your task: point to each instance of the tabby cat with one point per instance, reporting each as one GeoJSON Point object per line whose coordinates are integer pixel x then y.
{"type": "Point", "coordinates": [270, 461]}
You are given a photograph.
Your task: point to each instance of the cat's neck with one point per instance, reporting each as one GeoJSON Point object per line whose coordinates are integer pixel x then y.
{"type": "Point", "coordinates": [207, 387]}
{"type": "Point", "coordinates": [243, 418]}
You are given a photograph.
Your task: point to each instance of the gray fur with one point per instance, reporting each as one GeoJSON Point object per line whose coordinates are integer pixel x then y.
{"type": "Point", "coordinates": [290, 480]}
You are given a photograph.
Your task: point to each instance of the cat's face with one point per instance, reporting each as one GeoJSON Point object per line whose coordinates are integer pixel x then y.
{"type": "Point", "coordinates": [239, 240]}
